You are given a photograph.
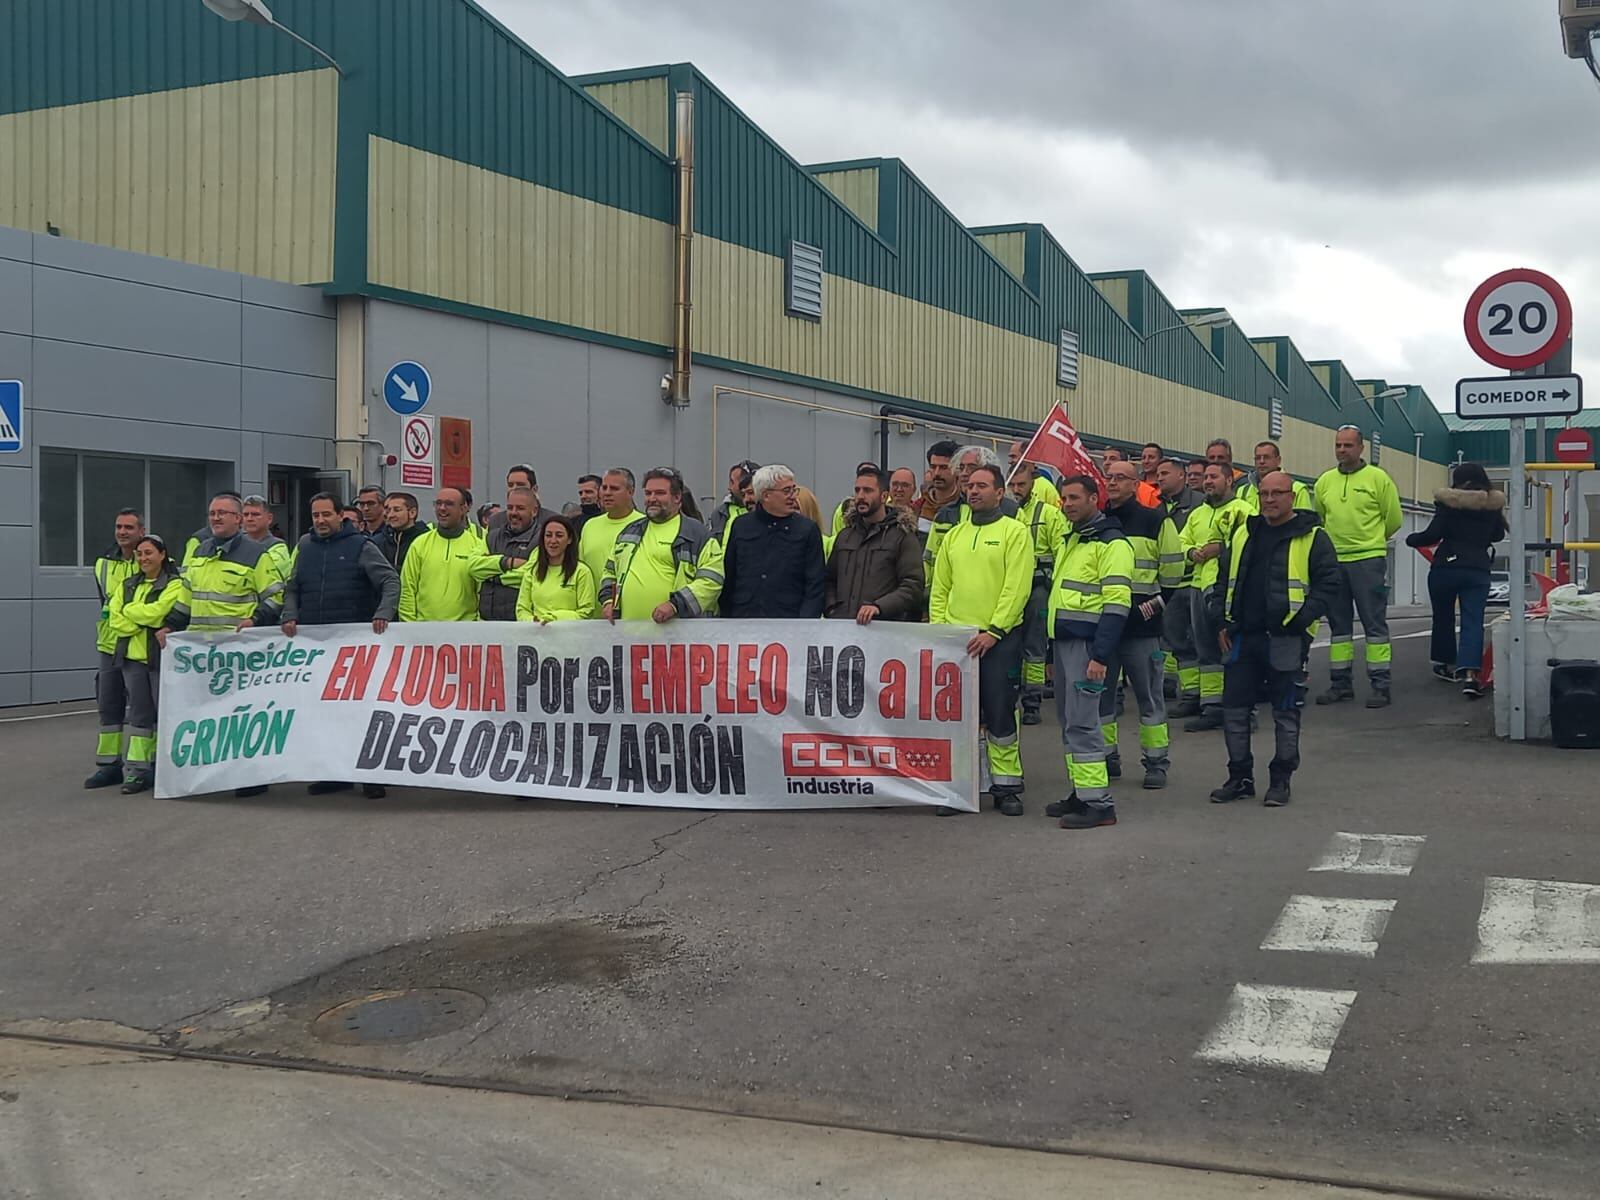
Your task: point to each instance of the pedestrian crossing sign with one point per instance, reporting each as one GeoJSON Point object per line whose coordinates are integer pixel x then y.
{"type": "Point", "coordinates": [10, 416]}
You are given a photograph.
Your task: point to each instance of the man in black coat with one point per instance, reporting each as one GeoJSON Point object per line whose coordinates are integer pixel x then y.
{"type": "Point", "coordinates": [772, 558]}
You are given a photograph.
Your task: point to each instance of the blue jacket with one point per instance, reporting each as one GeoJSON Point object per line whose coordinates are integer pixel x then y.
{"type": "Point", "coordinates": [341, 579]}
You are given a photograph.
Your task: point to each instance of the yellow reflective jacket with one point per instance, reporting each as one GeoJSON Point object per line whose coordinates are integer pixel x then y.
{"type": "Point", "coordinates": [139, 607]}
{"type": "Point", "coordinates": [1047, 526]}
{"type": "Point", "coordinates": [229, 582]}
{"type": "Point", "coordinates": [555, 598]}
{"type": "Point", "coordinates": [983, 575]}
{"type": "Point", "coordinates": [110, 571]}
{"type": "Point", "coordinates": [1360, 510]}
{"type": "Point", "coordinates": [1092, 592]}
{"type": "Point", "coordinates": [441, 575]}
{"type": "Point", "coordinates": [697, 579]}
{"type": "Point", "coordinates": [1210, 524]}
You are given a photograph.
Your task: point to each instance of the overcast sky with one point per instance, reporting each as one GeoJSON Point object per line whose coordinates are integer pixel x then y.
{"type": "Point", "coordinates": [1343, 173]}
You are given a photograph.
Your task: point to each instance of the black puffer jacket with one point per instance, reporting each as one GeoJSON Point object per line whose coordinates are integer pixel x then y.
{"type": "Point", "coordinates": [1465, 524]}
{"type": "Point", "coordinates": [773, 566]}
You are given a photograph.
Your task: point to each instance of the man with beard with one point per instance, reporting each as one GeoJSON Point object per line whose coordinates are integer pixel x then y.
{"type": "Point", "coordinates": [876, 567]}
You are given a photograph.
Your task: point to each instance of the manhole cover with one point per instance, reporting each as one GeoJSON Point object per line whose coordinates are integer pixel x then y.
{"type": "Point", "coordinates": [409, 1015]}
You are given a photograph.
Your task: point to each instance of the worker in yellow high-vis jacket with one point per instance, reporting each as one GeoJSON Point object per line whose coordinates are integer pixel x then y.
{"type": "Point", "coordinates": [1205, 536]}
{"type": "Point", "coordinates": [117, 564]}
{"type": "Point", "coordinates": [1360, 509]}
{"type": "Point", "coordinates": [1038, 508]}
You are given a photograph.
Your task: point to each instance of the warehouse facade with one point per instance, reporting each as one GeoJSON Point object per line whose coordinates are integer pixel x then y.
{"type": "Point", "coordinates": [454, 199]}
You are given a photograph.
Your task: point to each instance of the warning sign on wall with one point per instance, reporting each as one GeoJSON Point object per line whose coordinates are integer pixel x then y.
{"type": "Point", "coordinates": [419, 448]}
{"type": "Point", "coordinates": [455, 436]}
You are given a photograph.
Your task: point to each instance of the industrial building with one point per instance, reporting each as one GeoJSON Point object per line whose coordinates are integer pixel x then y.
{"type": "Point", "coordinates": [215, 246]}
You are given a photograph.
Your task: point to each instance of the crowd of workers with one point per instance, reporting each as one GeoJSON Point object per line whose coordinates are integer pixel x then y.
{"type": "Point", "coordinates": [1192, 582]}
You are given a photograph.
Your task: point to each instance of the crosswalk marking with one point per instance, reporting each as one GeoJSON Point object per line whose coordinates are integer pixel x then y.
{"type": "Point", "coordinates": [1284, 1028]}
{"type": "Point", "coordinates": [1330, 925]}
{"type": "Point", "coordinates": [1370, 853]}
{"type": "Point", "coordinates": [1538, 921]}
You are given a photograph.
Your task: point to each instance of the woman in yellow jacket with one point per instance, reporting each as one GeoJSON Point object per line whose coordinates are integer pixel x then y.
{"type": "Point", "coordinates": [138, 609]}
{"type": "Point", "coordinates": [557, 587]}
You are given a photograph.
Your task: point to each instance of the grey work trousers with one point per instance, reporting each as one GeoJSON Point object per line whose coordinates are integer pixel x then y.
{"type": "Point", "coordinates": [1144, 665]}
{"type": "Point", "coordinates": [1365, 586]}
{"type": "Point", "coordinates": [142, 684]}
{"type": "Point", "coordinates": [1035, 643]}
{"type": "Point", "coordinates": [111, 698]}
{"type": "Point", "coordinates": [1078, 707]}
{"type": "Point", "coordinates": [1177, 631]}
{"type": "Point", "coordinates": [1208, 653]}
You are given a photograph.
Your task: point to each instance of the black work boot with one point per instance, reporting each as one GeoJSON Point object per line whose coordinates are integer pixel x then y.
{"type": "Point", "coordinates": [1113, 765]}
{"type": "Point", "coordinates": [1234, 789]}
{"type": "Point", "coordinates": [104, 776]}
{"type": "Point", "coordinates": [1278, 793]}
{"type": "Point", "coordinates": [1187, 707]}
{"type": "Point", "coordinates": [1008, 802]}
{"type": "Point", "coordinates": [245, 793]}
{"type": "Point", "coordinates": [1380, 698]}
{"type": "Point", "coordinates": [1030, 710]}
{"type": "Point", "coordinates": [1060, 808]}
{"type": "Point", "coordinates": [1210, 718]}
{"type": "Point", "coordinates": [1338, 692]}
{"type": "Point", "coordinates": [1088, 818]}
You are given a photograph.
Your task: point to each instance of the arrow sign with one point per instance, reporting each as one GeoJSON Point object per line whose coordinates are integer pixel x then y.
{"type": "Point", "coordinates": [1520, 396]}
{"type": "Point", "coordinates": [406, 388]}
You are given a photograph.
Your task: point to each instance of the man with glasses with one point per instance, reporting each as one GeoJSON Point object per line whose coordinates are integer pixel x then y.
{"type": "Point", "coordinates": [444, 567]}
{"type": "Point", "coordinates": [111, 569]}
{"type": "Point", "coordinates": [666, 564]}
{"type": "Point", "coordinates": [1360, 508]}
{"type": "Point", "coordinates": [772, 563]}
{"type": "Point", "coordinates": [1269, 458]}
{"type": "Point", "coordinates": [369, 504]}
{"type": "Point", "coordinates": [1279, 577]}
{"type": "Point", "coordinates": [233, 582]}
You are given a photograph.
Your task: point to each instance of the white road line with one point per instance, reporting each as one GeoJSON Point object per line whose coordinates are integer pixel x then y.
{"type": "Point", "coordinates": [1289, 1029]}
{"type": "Point", "coordinates": [1330, 925]}
{"type": "Point", "coordinates": [77, 712]}
{"type": "Point", "coordinates": [1538, 921]}
{"type": "Point", "coordinates": [1370, 853]}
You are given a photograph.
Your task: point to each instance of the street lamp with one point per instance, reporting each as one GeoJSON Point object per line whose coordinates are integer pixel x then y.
{"type": "Point", "coordinates": [257, 13]}
{"type": "Point", "coordinates": [1211, 320]}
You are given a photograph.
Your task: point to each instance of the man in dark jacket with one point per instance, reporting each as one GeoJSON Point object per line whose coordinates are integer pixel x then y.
{"type": "Point", "coordinates": [400, 527]}
{"type": "Point", "coordinates": [340, 577]}
{"type": "Point", "coordinates": [876, 567]}
{"type": "Point", "coordinates": [1278, 576]}
{"type": "Point", "coordinates": [515, 540]}
{"type": "Point", "coordinates": [772, 558]}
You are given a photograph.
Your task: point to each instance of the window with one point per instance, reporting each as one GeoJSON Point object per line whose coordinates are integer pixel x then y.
{"type": "Point", "coordinates": [1067, 359]}
{"type": "Point", "coordinates": [803, 282]}
{"type": "Point", "coordinates": [80, 494]}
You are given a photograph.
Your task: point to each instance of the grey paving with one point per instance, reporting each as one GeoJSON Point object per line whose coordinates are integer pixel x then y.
{"type": "Point", "coordinates": [980, 977]}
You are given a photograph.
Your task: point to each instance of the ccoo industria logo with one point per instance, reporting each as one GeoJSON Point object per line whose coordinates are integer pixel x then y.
{"type": "Point", "coordinates": [836, 763]}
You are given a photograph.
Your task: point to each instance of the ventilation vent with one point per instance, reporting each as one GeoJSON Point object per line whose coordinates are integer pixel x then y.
{"type": "Point", "coordinates": [1067, 359]}
{"type": "Point", "coordinates": [803, 282]}
{"type": "Point", "coordinates": [1275, 419]}
{"type": "Point", "coordinates": [1377, 447]}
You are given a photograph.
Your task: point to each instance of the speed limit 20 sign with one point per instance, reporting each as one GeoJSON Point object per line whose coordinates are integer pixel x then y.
{"type": "Point", "coordinates": [1518, 319]}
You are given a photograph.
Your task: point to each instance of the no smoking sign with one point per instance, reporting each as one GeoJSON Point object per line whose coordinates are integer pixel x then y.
{"type": "Point", "coordinates": [418, 452]}
{"type": "Point", "coordinates": [1518, 319]}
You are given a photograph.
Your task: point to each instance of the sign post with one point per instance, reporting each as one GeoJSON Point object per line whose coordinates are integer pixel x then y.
{"type": "Point", "coordinates": [1518, 320]}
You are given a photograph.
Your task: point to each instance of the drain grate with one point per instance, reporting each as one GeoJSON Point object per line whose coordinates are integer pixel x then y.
{"type": "Point", "coordinates": [408, 1015]}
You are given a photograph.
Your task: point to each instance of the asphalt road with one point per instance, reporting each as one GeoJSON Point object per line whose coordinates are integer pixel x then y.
{"type": "Point", "coordinates": [978, 977]}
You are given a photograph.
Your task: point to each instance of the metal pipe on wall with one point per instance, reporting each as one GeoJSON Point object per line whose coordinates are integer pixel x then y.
{"type": "Point", "coordinates": [678, 391]}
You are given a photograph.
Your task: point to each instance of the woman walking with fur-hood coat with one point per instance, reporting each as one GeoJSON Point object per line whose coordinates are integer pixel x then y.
{"type": "Point", "coordinates": [1467, 520]}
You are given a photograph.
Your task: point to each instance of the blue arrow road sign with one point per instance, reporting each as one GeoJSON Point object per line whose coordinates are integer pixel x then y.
{"type": "Point", "coordinates": [406, 387]}
{"type": "Point", "coordinates": [10, 416]}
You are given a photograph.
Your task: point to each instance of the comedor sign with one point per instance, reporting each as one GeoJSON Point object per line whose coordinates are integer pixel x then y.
{"type": "Point", "coordinates": [1519, 396]}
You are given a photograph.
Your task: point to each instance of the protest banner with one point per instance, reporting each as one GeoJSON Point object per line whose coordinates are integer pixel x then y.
{"type": "Point", "coordinates": [693, 714]}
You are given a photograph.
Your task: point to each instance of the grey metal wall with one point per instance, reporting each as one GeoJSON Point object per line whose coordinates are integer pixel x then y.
{"type": "Point", "coordinates": [127, 354]}
{"type": "Point", "coordinates": [569, 407]}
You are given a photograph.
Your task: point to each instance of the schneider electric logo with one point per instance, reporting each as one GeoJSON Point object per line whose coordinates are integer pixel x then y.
{"type": "Point", "coordinates": [240, 670]}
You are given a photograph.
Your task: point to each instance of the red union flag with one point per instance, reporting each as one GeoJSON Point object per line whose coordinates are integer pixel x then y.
{"type": "Point", "coordinates": [1058, 446]}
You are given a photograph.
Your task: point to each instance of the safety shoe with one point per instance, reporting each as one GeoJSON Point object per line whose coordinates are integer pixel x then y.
{"type": "Point", "coordinates": [1187, 707]}
{"type": "Point", "coordinates": [1337, 694]}
{"type": "Point", "coordinates": [1278, 793]}
{"type": "Point", "coordinates": [374, 791]}
{"type": "Point", "coordinates": [1030, 714]}
{"type": "Point", "coordinates": [1089, 818]}
{"type": "Point", "coordinates": [1060, 808]}
{"type": "Point", "coordinates": [245, 793]}
{"type": "Point", "coordinates": [1009, 803]}
{"type": "Point", "coordinates": [946, 811]}
{"type": "Point", "coordinates": [1155, 778]}
{"type": "Point", "coordinates": [1169, 689]}
{"type": "Point", "coordinates": [135, 784]}
{"type": "Point", "coordinates": [1113, 766]}
{"type": "Point", "coordinates": [326, 787]}
{"type": "Point", "coordinates": [104, 776]}
{"type": "Point", "coordinates": [1210, 718]}
{"type": "Point", "coordinates": [1380, 698]}
{"type": "Point", "coordinates": [1234, 789]}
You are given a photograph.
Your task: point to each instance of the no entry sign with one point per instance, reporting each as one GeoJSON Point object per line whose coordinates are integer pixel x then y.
{"type": "Point", "coordinates": [1518, 319]}
{"type": "Point", "coordinates": [1574, 446]}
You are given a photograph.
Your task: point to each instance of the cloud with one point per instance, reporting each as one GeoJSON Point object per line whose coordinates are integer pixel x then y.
{"type": "Point", "coordinates": [1343, 174]}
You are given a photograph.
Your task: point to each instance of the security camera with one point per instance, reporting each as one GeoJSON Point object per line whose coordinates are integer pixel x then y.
{"type": "Point", "coordinates": [666, 385]}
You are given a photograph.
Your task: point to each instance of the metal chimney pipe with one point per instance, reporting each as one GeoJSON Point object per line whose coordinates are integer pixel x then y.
{"type": "Point", "coordinates": [678, 391]}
